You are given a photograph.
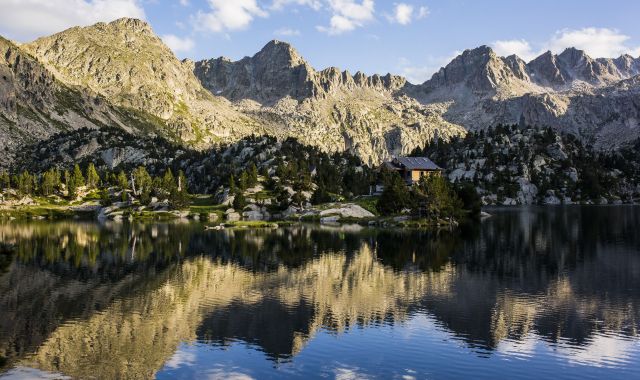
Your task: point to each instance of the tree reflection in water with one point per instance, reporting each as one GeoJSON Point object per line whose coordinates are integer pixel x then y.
{"type": "Point", "coordinates": [118, 299]}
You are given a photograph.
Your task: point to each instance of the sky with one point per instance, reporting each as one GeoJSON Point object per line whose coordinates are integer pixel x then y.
{"type": "Point", "coordinates": [413, 38]}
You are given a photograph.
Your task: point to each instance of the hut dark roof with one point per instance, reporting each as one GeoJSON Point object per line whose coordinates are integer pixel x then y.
{"type": "Point", "coordinates": [416, 163]}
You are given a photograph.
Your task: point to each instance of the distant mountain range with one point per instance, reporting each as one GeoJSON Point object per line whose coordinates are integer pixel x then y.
{"type": "Point", "coordinates": [121, 74]}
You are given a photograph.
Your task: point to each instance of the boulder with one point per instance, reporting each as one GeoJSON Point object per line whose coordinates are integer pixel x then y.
{"type": "Point", "coordinates": [231, 215]}
{"type": "Point", "coordinates": [292, 210]}
{"type": "Point", "coordinates": [253, 215]}
{"type": "Point", "coordinates": [509, 202]}
{"type": "Point", "coordinates": [330, 219]}
{"type": "Point", "coordinates": [180, 214]}
{"type": "Point", "coordinates": [551, 199]}
{"type": "Point", "coordinates": [252, 207]}
{"type": "Point", "coordinates": [348, 211]}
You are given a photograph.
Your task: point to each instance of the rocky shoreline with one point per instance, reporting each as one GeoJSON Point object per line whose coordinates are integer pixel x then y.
{"type": "Point", "coordinates": [251, 217]}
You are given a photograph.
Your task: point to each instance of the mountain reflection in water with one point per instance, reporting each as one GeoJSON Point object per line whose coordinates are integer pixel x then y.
{"type": "Point", "coordinates": [131, 300]}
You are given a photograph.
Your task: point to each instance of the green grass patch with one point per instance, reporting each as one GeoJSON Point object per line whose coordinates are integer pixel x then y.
{"type": "Point", "coordinates": [368, 203]}
{"type": "Point", "coordinates": [39, 212]}
{"type": "Point", "coordinates": [261, 195]}
{"type": "Point", "coordinates": [252, 224]}
{"type": "Point", "coordinates": [151, 215]}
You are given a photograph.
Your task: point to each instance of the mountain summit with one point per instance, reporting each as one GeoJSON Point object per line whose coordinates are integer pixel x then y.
{"type": "Point", "coordinates": [278, 71]}
{"type": "Point", "coordinates": [121, 74]}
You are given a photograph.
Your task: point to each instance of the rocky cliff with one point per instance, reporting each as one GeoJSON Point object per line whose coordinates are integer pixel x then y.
{"type": "Point", "coordinates": [121, 74]}
{"type": "Point", "coordinates": [332, 109]}
{"type": "Point", "coordinates": [596, 99]}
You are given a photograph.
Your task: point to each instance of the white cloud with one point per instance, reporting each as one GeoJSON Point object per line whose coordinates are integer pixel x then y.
{"type": "Point", "coordinates": [348, 15]}
{"type": "Point", "coordinates": [417, 74]}
{"type": "Point", "coordinates": [521, 48]}
{"type": "Point", "coordinates": [182, 357]}
{"type": "Point", "coordinates": [24, 20]}
{"type": "Point", "coordinates": [184, 3]}
{"type": "Point", "coordinates": [423, 12]}
{"type": "Point", "coordinates": [177, 44]}
{"type": "Point", "coordinates": [281, 4]}
{"type": "Point", "coordinates": [287, 32]}
{"type": "Point", "coordinates": [402, 14]}
{"type": "Point", "coordinates": [228, 15]}
{"type": "Point", "coordinates": [596, 42]}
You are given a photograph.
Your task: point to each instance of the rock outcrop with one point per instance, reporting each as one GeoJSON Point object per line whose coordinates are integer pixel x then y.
{"type": "Point", "coordinates": [122, 75]}
{"type": "Point", "coordinates": [596, 99]}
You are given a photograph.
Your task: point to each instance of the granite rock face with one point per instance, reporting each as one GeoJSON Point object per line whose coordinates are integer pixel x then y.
{"type": "Point", "coordinates": [596, 99]}
{"type": "Point", "coordinates": [332, 109]}
{"type": "Point", "coordinates": [278, 71]}
{"type": "Point", "coordinates": [120, 74]}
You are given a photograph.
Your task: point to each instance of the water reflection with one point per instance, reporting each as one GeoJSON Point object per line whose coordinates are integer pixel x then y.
{"type": "Point", "coordinates": [122, 300]}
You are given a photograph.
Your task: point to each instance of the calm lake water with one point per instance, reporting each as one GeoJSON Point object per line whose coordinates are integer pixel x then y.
{"type": "Point", "coordinates": [528, 293]}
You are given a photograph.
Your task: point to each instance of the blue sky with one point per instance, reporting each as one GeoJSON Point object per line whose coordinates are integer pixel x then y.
{"type": "Point", "coordinates": [409, 37]}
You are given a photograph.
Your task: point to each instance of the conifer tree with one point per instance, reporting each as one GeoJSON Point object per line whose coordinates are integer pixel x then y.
{"type": "Point", "coordinates": [168, 182]}
{"type": "Point", "coordinates": [298, 199]}
{"type": "Point", "coordinates": [74, 181]}
{"type": "Point", "coordinates": [93, 179]}
{"type": "Point", "coordinates": [25, 183]}
{"type": "Point", "coordinates": [253, 175]}
{"type": "Point", "coordinates": [50, 182]}
{"type": "Point", "coordinates": [179, 196]}
{"type": "Point", "coordinates": [123, 184]}
{"type": "Point", "coordinates": [243, 183]}
{"type": "Point", "coordinates": [143, 183]}
{"type": "Point", "coordinates": [239, 201]}
{"type": "Point", "coordinates": [5, 180]}
{"type": "Point", "coordinates": [232, 184]}
{"type": "Point", "coordinates": [77, 176]}
{"type": "Point", "coordinates": [395, 196]}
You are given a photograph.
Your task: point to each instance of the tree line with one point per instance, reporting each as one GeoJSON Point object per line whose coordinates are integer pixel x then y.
{"type": "Point", "coordinates": [70, 184]}
{"type": "Point", "coordinates": [432, 197]}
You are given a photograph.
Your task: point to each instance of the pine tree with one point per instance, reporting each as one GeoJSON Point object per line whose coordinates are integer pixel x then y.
{"type": "Point", "coordinates": [74, 181]}
{"type": "Point", "coordinates": [264, 171]}
{"type": "Point", "coordinates": [93, 179]}
{"type": "Point", "coordinates": [77, 176]}
{"type": "Point", "coordinates": [434, 193]}
{"type": "Point", "coordinates": [67, 182]}
{"type": "Point", "coordinates": [232, 184]}
{"type": "Point", "coordinates": [282, 197]}
{"type": "Point", "coordinates": [243, 183]}
{"type": "Point", "coordinates": [143, 183]}
{"type": "Point", "coordinates": [179, 197]}
{"type": "Point", "coordinates": [25, 182]}
{"type": "Point", "coordinates": [298, 199]}
{"type": "Point", "coordinates": [320, 196]}
{"type": "Point", "coordinates": [253, 175]}
{"type": "Point", "coordinates": [50, 182]}
{"type": "Point", "coordinates": [123, 184]}
{"type": "Point", "coordinates": [5, 180]}
{"type": "Point", "coordinates": [168, 182]}
{"type": "Point", "coordinates": [395, 196]}
{"type": "Point", "coordinates": [239, 201]}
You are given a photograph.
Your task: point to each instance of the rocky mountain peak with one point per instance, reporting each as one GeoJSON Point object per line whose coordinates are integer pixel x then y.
{"type": "Point", "coordinates": [121, 73]}
{"type": "Point", "coordinates": [129, 24]}
{"type": "Point", "coordinates": [275, 72]}
{"type": "Point", "coordinates": [278, 71]}
{"type": "Point", "coordinates": [627, 64]}
{"type": "Point", "coordinates": [480, 69]}
{"type": "Point", "coordinates": [574, 56]}
{"type": "Point", "coordinates": [574, 66]}
{"type": "Point", "coordinates": [119, 59]}
{"type": "Point", "coordinates": [280, 52]}
{"type": "Point", "coordinates": [546, 71]}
